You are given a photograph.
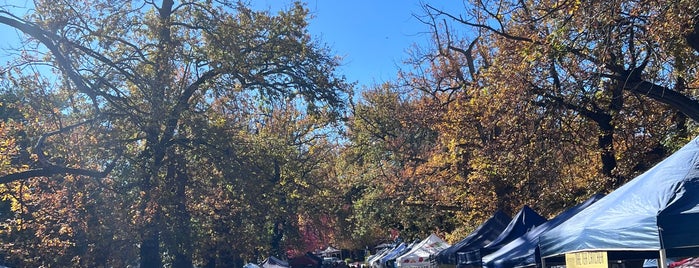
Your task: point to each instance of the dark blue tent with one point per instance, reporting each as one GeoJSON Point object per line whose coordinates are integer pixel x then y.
{"type": "Point", "coordinates": [483, 235]}
{"type": "Point", "coordinates": [524, 251]}
{"type": "Point", "coordinates": [654, 215]}
{"type": "Point", "coordinates": [524, 220]}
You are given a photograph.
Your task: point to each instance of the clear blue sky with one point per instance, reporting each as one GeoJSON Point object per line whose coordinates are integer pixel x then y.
{"type": "Point", "coordinates": [372, 36]}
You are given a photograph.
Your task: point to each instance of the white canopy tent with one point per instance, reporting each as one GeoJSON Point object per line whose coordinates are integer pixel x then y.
{"type": "Point", "coordinates": [420, 254]}
{"type": "Point", "coordinates": [272, 262]}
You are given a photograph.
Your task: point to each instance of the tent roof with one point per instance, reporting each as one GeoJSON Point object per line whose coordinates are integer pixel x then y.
{"type": "Point", "coordinates": [395, 253]}
{"type": "Point", "coordinates": [524, 220]}
{"type": "Point", "coordinates": [376, 257]}
{"type": "Point", "coordinates": [483, 235]}
{"type": "Point", "coordinates": [330, 250]}
{"type": "Point", "coordinates": [421, 252]}
{"type": "Point", "coordinates": [376, 260]}
{"type": "Point", "coordinates": [251, 265]}
{"type": "Point", "coordinates": [523, 251]}
{"type": "Point", "coordinates": [273, 262]}
{"type": "Point", "coordinates": [627, 220]}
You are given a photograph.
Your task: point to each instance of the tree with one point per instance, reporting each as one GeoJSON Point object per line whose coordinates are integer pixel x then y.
{"type": "Point", "coordinates": [391, 136]}
{"type": "Point", "coordinates": [130, 75]}
{"type": "Point", "coordinates": [601, 61]}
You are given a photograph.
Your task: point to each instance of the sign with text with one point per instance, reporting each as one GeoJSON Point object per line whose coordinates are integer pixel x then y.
{"type": "Point", "coordinates": [596, 259]}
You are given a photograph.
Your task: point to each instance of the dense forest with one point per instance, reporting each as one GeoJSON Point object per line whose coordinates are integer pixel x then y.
{"type": "Point", "coordinates": [209, 134]}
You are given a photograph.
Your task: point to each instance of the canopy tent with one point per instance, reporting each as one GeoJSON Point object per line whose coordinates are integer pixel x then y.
{"type": "Point", "coordinates": [401, 249]}
{"type": "Point", "coordinates": [373, 260]}
{"type": "Point", "coordinates": [251, 265]}
{"type": "Point", "coordinates": [483, 235]}
{"type": "Point", "coordinates": [654, 215]}
{"type": "Point", "coordinates": [524, 220]}
{"type": "Point", "coordinates": [376, 260]}
{"type": "Point", "coordinates": [330, 251]}
{"type": "Point", "coordinates": [524, 250]}
{"type": "Point", "coordinates": [272, 262]}
{"type": "Point", "coordinates": [419, 255]}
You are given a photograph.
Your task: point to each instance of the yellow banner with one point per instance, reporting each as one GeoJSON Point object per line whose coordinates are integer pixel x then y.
{"type": "Point", "coordinates": [587, 260]}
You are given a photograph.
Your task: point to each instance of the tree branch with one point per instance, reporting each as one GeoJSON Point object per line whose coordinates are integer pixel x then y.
{"type": "Point", "coordinates": [47, 40]}
{"type": "Point", "coordinates": [482, 26]}
{"type": "Point", "coordinates": [668, 96]}
{"type": "Point", "coordinates": [56, 170]}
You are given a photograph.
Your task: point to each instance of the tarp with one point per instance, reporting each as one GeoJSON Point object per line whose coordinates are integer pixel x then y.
{"type": "Point", "coordinates": [524, 251]}
{"type": "Point", "coordinates": [420, 254]}
{"type": "Point", "coordinates": [483, 235]}
{"type": "Point", "coordinates": [272, 262]}
{"type": "Point", "coordinates": [523, 221]}
{"type": "Point", "coordinates": [627, 221]}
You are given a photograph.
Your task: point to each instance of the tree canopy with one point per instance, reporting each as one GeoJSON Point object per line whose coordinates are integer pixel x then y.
{"type": "Point", "coordinates": [157, 112]}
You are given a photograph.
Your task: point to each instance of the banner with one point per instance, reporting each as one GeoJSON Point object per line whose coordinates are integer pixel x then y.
{"type": "Point", "coordinates": [597, 259]}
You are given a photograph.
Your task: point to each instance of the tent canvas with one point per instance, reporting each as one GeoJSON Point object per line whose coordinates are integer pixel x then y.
{"type": "Point", "coordinates": [420, 254]}
{"type": "Point", "coordinates": [393, 254]}
{"type": "Point", "coordinates": [329, 251]}
{"type": "Point", "coordinates": [374, 260]}
{"type": "Point", "coordinates": [483, 235]}
{"type": "Point", "coordinates": [524, 220]}
{"type": "Point", "coordinates": [656, 210]}
{"type": "Point", "coordinates": [524, 250]}
{"type": "Point", "coordinates": [272, 262]}
{"type": "Point", "coordinates": [251, 265]}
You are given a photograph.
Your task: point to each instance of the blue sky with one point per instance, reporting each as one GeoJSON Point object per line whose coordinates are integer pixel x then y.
{"type": "Point", "coordinates": [372, 36]}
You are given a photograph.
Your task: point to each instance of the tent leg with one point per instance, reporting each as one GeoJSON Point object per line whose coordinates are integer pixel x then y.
{"type": "Point", "coordinates": [662, 261]}
{"type": "Point", "coordinates": [543, 262]}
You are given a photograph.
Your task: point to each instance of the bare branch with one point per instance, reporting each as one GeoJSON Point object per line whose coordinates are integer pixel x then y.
{"type": "Point", "coordinates": [38, 148]}
{"type": "Point", "coordinates": [482, 26]}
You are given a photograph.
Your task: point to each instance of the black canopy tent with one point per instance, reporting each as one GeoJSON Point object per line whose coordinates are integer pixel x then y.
{"type": "Point", "coordinates": [483, 235]}
{"type": "Point", "coordinates": [523, 221]}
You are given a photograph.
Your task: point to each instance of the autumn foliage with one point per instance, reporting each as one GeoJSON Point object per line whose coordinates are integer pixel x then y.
{"type": "Point", "coordinates": [210, 134]}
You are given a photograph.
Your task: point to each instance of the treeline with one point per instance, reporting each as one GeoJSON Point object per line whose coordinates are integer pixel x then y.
{"type": "Point", "coordinates": [210, 134]}
{"type": "Point", "coordinates": [522, 103]}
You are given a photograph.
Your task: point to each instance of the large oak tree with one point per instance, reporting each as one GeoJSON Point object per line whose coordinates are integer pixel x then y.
{"type": "Point", "coordinates": [120, 90]}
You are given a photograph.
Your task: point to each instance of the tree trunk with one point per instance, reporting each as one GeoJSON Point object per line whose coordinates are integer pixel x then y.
{"type": "Point", "coordinates": [605, 143]}
{"type": "Point", "coordinates": [150, 206]}
{"type": "Point", "coordinates": [150, 247]}
{"type": "Point", "coordinates": [181, 219]}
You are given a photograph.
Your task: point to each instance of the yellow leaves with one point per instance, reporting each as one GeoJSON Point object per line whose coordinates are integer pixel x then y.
{"type": "Point", "coordinates": [65, 229]}
{"type": "Point", "coordinates": [575, 7]}
{"type": "Point", "coordinates": [17, 193]}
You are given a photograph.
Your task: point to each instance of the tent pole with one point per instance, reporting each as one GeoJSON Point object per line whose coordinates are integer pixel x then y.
{"type": "Point", "coordinates": [543, 262]}
{"type": "Point", "coordinates": [662, 261]}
